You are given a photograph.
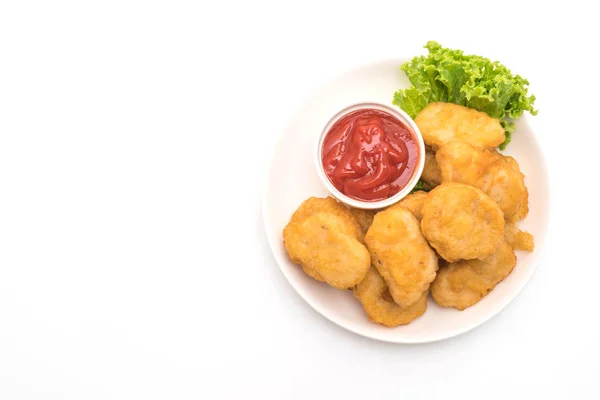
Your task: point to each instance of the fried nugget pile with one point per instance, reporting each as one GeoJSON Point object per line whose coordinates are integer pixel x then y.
{"type": "Point", "coordinates": [457, 241]}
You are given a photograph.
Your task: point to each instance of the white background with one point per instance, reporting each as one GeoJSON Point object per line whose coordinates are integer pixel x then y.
{"type": "Point", "coordinates": [134, 142]}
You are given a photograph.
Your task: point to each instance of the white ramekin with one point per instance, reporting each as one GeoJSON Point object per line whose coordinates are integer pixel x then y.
{"type": "Point", "coordinates": [372, 205]}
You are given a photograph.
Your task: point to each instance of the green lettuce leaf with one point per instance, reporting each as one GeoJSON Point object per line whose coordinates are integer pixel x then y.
{"type": "Point", "coordinates": [468, 80]}
{"type": "Point", "coordinates": [411, 100]}
{"type": "Point", "coordinates": [419, 186]}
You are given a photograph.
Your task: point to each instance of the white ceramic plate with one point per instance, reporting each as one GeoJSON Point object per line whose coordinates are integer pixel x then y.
{"type": "Point", "coordinates": [293, 177]}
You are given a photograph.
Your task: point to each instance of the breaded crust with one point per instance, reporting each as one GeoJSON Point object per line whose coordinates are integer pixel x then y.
{"type": "Point", "coordinates": [518, 239]}
{"type": "Point", "coordinates": [414, 203]}
{"type": "Point", "coordinates": [327, 247]}
{"type": "Point", "coordinates": [443, 123]}
{"type": "Point", "coordinates": [497, 175]}
{"type": "Point", "coordinates": [329, 205]}
{"type": "Point", "coordinates": [377, 301]}
{"type": "Point", "coordinates": [432, 175]}
{"type": "Point", "coordinates": [401, 254]}
{"type": "Point", "coordinates": [464, 283]}
{"type": "Point", "coordinates": [364, 218]}
{"type": "Point", "coordinates": [462, 222]}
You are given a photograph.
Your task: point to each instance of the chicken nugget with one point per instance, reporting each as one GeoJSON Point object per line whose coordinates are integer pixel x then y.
{"type": "Point", "coordinates": [462, 222]}
{"type": "Point", "coordinates": [379, 305]}
{"type": "Point", "coordinates": [464, 283]}
{"type": "Point", "coordinates": [414, 203]}
{"type": "Point", "coordinates": [443, 123]}
{"type": "Point", "coordinates": [401, 254]}
{"type": "Point", "coordinates": [506, 185]}
{"type": "Point", "coordinates": [497, 175]}
{"type": "Point", "coordinates": [364, 218]}
{"type": "Point", "coordinates": [432, 175]}
{"type": "Point", "coordinates": [518, 239]}
{"type": "Point", "coordinates": [327, 247]}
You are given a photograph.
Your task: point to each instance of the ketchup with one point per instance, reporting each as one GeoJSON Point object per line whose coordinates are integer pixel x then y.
{"type": "Point", "coordinates": [369, 155]}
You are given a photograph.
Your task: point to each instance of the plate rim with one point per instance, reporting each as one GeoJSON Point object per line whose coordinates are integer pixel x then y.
{"type": "Point", "coordinates": [272, 241]}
